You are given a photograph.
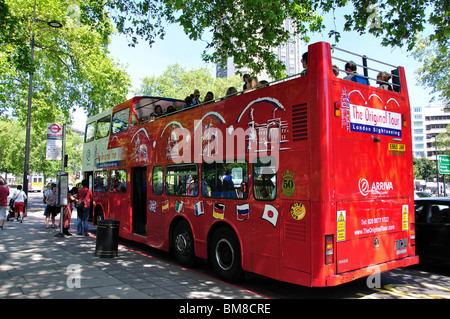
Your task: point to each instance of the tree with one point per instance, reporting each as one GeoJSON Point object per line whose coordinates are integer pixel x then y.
{"type": "Point", "coordinates": [424, 169]}
{"type": "Point", "coordinates": [12, 150]}
{"type": "Point", "coordinates": [247, 29]}
{"type": "Point", "coordinates": [71, 65]}
{"type": "Point", "coordinates": [435, 71]}
{"type": "Point", "coordinates": [177, 82]}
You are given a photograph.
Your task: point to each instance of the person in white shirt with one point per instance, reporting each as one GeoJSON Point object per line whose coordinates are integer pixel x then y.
{"type": "Point", "coordinates": [19, 197]}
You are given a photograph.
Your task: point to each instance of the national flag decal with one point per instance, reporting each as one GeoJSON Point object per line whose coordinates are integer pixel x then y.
{"type": "Point", "coordinates": [270, 214]}
{"type": "Point", "coordinates": [199, 209]}
{"type": "Point", "coordinates": [218, 211]}
{"type": "Point", "coordinates": [242, 212]}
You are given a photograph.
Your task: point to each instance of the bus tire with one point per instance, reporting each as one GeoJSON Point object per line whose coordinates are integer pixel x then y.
{"type": "Point", "coordinates": [225, 254]}
{"type": "Point", "coordinates": [183, 244]}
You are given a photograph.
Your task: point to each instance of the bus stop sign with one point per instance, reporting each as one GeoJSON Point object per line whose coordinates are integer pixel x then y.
{"type": "Point", "coordinates": [444, 164]}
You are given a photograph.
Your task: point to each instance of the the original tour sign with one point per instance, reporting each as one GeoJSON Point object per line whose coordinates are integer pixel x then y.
{"type": "Point", "coordinates": [54, 142]}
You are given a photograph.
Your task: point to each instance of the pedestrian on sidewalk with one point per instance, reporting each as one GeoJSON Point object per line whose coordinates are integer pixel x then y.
{"type": "Point", "coordinates": [4, 193]}
{"type": "Point", "coordinates": [68, 210]}
{"type": "Point", "coordinates": [84, 199]}
{"type": "Point", "coordinates": [19, 197]}
{"type": "Point", "coordinates": [52, 209]}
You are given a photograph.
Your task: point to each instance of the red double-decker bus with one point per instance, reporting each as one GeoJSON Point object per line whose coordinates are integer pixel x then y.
{"type": "Point", "coordinates": [307, 180]}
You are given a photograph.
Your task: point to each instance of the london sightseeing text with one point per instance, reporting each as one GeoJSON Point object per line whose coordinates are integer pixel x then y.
{"type": "Point", "coordinates": [308, 180]}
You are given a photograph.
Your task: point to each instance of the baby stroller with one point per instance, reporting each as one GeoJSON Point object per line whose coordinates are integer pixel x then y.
{"type": "Point", "coordinates": [10, 213]}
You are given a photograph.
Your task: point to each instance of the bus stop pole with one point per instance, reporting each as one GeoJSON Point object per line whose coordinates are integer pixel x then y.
{"type": "Point", "coordinates": [63, 156]}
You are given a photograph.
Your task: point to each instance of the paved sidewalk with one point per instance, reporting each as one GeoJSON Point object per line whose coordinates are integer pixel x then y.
{"type": "Point", "coordinates": [35, 264]}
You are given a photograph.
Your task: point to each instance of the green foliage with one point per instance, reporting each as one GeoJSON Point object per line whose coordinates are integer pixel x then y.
{"type": "Point", "coordinates": [177, 82]}
{"type": "Point", "coordinates": [71, 64]}
{"type": "Point", "coordinates": [435, 71]}
{"type": "Point", "coordinates": [247, 30]}
{"type": "Point", "coordinates": [12, 151]}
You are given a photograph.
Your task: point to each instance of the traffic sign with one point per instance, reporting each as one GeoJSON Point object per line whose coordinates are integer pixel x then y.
{"type": "Point", "coordinates": [444, 164]}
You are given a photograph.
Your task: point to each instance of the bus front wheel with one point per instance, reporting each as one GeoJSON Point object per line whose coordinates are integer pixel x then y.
{"type": "Point", "coordinates": [225, 255]}
{"type": "Point", "coordinates": [183, 244]}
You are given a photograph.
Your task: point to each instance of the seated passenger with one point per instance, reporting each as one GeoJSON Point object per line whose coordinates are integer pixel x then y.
{"type": "Point", "coordinates": [189, 101]}
{"type": "Point", "coordinates": [263, 83]}
{"type": "Point", "coordinates": [246, 79]}
{"type": "Point", "coordinates": [304, 63]}
{"type": "Point", "coordinates": [170, 110]}
{"type": "Point", "coordinates": [350, 69]}
{"type": "Point", "coordinates": [382, 80]}
{"type": "Point", "coordinates": [335, 70]}
{"type": "Point", "coordinates": [209, 97]}
{"type": "Point", "coordinates": [157, 112]}
{"type": "Point", "coordinates": [231, 91]}
{"type": "Point", "coordinates": [196, 99]}
{"type": "Point", "coordinates": [252, 83]}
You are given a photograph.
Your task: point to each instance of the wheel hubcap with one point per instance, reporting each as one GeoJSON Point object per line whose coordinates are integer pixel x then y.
{"type": "Point", "coordinates": [224, 254]}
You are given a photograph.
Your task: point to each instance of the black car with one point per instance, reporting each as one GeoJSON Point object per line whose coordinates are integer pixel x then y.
{"type": "Point", "coordinates": [433, 230]}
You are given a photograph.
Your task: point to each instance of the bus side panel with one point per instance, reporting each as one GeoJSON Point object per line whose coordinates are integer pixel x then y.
{"type": "Point", "coordinates": [266, 239]}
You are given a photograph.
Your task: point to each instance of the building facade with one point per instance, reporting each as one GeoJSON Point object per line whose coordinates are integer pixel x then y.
{"type": "Point", "coordinates": [289, 53]}
{"type": "Point", "coordinates": [427, 123]}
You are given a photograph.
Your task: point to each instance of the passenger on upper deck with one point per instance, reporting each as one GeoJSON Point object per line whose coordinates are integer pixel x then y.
{"type": "Point", "coordinates": [196, 99]}
{"type": "Point", "coordinates": [350, 69]}
{"type": "Point", "coordinates": [209, 97]}
{"type": "Point", "coordinates": [157, 112]}
{"type": "Point", "coordinates": [304, 63]}
{"type": "Point", "coordinates": [231, 91]}
{"type": "Point", "coordinates": [246, 78]}
{"type": "Point", "coordinates": [252, 83]}
{"type": "Point", "coordinates": [189, 101]}
{"type": "Point", "coordinates": [382, 80]}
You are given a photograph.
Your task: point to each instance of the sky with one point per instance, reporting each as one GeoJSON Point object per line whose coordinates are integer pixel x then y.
{"type": "Point", "coordinates": [143, 60]}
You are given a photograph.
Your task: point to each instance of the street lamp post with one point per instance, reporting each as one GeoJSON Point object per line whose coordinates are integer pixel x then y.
{"type": "Point", "coordinates": [53, 24]}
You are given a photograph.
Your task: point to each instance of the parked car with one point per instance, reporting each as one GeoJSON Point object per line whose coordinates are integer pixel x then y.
{"type": "Point", "coordinates": [421, 194]}
{"type": "Point", "coordinates": [432, 222]}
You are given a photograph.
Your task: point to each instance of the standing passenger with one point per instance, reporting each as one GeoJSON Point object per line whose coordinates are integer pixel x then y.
{"type": "Point", "coordinates": [84, 195]}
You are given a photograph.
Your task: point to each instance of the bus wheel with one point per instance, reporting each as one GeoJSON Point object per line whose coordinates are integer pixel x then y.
{"type": "Point", "coordinates": [225, 255]}
{"type": "Point", "coordinates": [183, 244]}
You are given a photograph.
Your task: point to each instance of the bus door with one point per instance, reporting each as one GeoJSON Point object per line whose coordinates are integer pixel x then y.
{"type": "Point", "coordinates": [139, 193]}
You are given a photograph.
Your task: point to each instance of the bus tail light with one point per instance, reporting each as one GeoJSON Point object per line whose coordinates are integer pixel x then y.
{"type": "Point", "coordinates": [404, 123]}
{"type": "Point", "coordinates": [412, 234]}
{"type": "Point", "coordinates": [337, 109]}
{"type": "Point", "coordinates": [329, 249]}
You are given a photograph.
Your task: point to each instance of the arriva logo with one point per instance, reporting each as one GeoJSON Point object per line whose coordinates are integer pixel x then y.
{"type": "Point", "coordinates": [376, 188]}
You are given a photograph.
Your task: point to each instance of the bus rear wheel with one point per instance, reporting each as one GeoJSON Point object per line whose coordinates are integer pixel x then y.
{"type": "Point", "coordinates": [183, 244]}
{"type": "Point", "coordinates": [225, 255]}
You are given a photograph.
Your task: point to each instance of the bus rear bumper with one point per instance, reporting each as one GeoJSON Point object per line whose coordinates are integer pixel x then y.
{"type": "Point", "coordinates": [338, 279]}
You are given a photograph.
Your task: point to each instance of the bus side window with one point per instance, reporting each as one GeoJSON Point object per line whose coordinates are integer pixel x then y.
{"type": "Point", "coordinates": [225, 180]}
{"type": "Point", "coordinates": [90, 132]}
{"type": "Point", "coordinates": [157, 180]}
{"type": "Point", "coordinates": [120, 120]}
{"type": "Point", "coordinates": [101, 181]}
{"type": "Point", "coordinates": [103, 126]}
{"type": "Point", "coordinates": [264, 179]}
{"type": "Point", "coordinates": [182, 180]}
{"type": "Point", "coordinates": [118, 181]}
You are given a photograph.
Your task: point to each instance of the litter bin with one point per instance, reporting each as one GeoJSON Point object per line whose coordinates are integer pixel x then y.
{"type": "Point", "coordinates": [107, 238]}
